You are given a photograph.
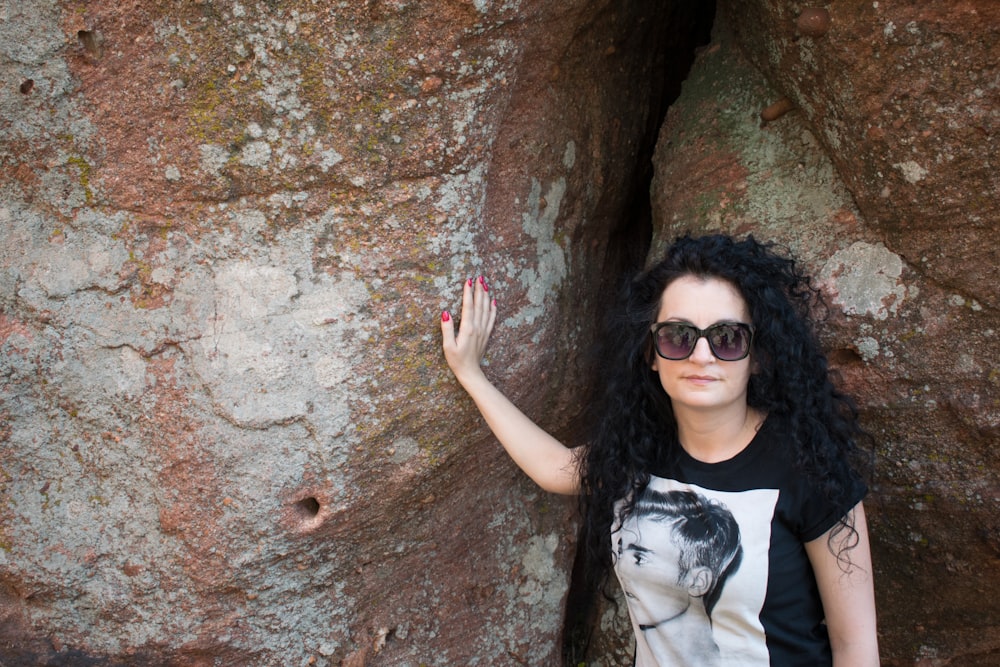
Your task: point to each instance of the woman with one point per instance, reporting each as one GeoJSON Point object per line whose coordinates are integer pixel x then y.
{"type": "Point", "coordinates": [715, 384]}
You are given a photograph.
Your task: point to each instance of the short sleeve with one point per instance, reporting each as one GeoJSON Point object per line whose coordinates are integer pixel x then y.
{"type": "Point", "coordinates": [820, 515]}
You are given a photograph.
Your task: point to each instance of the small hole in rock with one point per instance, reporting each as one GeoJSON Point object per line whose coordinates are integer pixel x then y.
{"type": "Point", "coordinates": [90, 41]}
{"type": "Point", "coordinates": [308, 506]}
{"type": "Point", "coordinates": [27, 85]}
{"type": "Point", "coordinates": [844, 357]}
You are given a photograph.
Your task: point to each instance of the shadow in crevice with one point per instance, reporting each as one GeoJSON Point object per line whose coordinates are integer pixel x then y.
{"type": "Point", "coordinates": [686, 28]}
{"type": "Point", "coordinates": [679, 29]}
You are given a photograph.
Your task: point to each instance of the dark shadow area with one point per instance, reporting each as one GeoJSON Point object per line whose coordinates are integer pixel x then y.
{"type": "Point", "coordinates": [689, 27]}
{"type": "Point", "coordinates": [685, 27]}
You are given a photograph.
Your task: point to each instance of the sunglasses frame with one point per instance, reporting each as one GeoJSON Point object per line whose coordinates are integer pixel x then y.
{"type": "Point", "coordinates": [702, 333]}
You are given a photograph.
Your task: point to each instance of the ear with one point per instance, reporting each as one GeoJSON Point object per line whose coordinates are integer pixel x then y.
{"type": "Point", "coordinates": [699, 581]}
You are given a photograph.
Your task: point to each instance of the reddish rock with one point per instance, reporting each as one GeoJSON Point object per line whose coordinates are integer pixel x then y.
{"type": "Point", "coordinates": [776, 110]}
{"type": "Point", "coordinates": [903, 96]}
{"type": "Point", "coordinates": [228, 435]}
{"type": "Point", "coordinates": [813, 21]}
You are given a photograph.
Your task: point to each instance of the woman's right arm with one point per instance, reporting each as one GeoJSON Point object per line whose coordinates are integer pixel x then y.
{"type": "Point", "coordinates": [548, 462]}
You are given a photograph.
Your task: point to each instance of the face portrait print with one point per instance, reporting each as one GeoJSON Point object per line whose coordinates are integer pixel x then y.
{"type": "Point", "coordinates": [674, 554]}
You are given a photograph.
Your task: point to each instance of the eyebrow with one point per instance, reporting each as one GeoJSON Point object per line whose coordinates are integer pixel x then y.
{"type": "Point", "coordinates": [638, 547]}
{"type": "Point", "coordinates": [681, 320]}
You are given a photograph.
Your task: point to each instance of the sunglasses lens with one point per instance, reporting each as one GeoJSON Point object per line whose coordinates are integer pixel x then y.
{"type": "Point", "coordinates": [729, 342]}
{"type": "Point", "coordinates": [676, 341]}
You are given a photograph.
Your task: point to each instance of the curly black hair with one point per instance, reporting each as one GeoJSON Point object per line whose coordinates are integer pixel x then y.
{"type": "Point", "coordinates": [636, 427]}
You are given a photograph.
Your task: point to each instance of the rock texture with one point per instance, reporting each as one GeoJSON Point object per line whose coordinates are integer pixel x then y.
{"type": "Point", "coordinates": [227, 435]}
{"type": "Point", "coordinates": [903, 96]}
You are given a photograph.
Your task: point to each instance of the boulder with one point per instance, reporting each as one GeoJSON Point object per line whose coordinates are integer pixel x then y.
{"type": "Point", "coordinates": [227, 434]}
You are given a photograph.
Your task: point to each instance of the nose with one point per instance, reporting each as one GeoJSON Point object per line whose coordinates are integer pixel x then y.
{"type": "Point", "coordinates": [702, 353]}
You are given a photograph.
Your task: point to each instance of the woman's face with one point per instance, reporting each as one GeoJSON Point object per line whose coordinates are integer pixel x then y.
{"type": "Point", "coordinates": [702, 382]}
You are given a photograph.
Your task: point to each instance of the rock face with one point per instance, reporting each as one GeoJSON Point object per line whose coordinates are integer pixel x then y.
{"type": "Point", "coordinates": [903, 96]}
{"type": "Point", "coordinates": [227, 435]}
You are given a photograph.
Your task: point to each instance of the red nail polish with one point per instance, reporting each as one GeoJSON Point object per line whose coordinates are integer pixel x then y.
{"type": "Point", "coordinates": [470, 282]}
{"type": "Point", "coordinates": [445, 316]}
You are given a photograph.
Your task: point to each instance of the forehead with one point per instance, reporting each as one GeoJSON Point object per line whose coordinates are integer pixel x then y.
{"type": "Point", "coordinates": [702, 302]}
{"type": "Point", "coordinates": [655, 535]}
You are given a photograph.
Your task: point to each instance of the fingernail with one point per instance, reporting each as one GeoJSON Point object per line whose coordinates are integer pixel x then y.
{"type": "Point", "coordinates": [494, 302]}
{"type": "Point", "coordinates": [445, 316]}
{"type": "Point", "coordinates": [470, 282]}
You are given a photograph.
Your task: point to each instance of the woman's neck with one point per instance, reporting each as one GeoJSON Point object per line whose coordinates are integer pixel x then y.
{"type": "Point", "coordinates": [712, 437]}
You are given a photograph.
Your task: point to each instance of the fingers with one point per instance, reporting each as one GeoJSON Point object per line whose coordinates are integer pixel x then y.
{"type": "Point", "coordinates": [477, 305]}
{"type": "Point", "coordinates": [477, 318]}
{"type": "Point", "coordinates": [447, 328]}
{"type": "Point", "coordinates": [478, 291]}
{"type": "Point", "coordinates": [468, 304]}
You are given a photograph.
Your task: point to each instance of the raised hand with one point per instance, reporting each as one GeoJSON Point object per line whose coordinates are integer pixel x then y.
{"type": "Point", "coordinates": [465, 351]}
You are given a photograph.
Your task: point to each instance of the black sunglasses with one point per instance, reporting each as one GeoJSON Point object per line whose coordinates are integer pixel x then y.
{"type": "Point", "coordinates": [729, 341]}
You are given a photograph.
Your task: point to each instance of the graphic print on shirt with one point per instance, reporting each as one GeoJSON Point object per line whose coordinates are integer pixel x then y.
{"type": "Point", "coordinates": [693, 565]}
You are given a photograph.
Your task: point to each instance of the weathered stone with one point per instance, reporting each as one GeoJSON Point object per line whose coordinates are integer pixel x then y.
{"type": "Point", "coordinates": [227, 435]}
{"type": "Point", "coordinates": [904, 97]}
{"type": "Point", "coordinates": [226, 432]}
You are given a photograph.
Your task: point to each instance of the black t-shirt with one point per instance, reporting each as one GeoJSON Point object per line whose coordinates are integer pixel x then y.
{"type": "Point", "coordinates": [735, 532]}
